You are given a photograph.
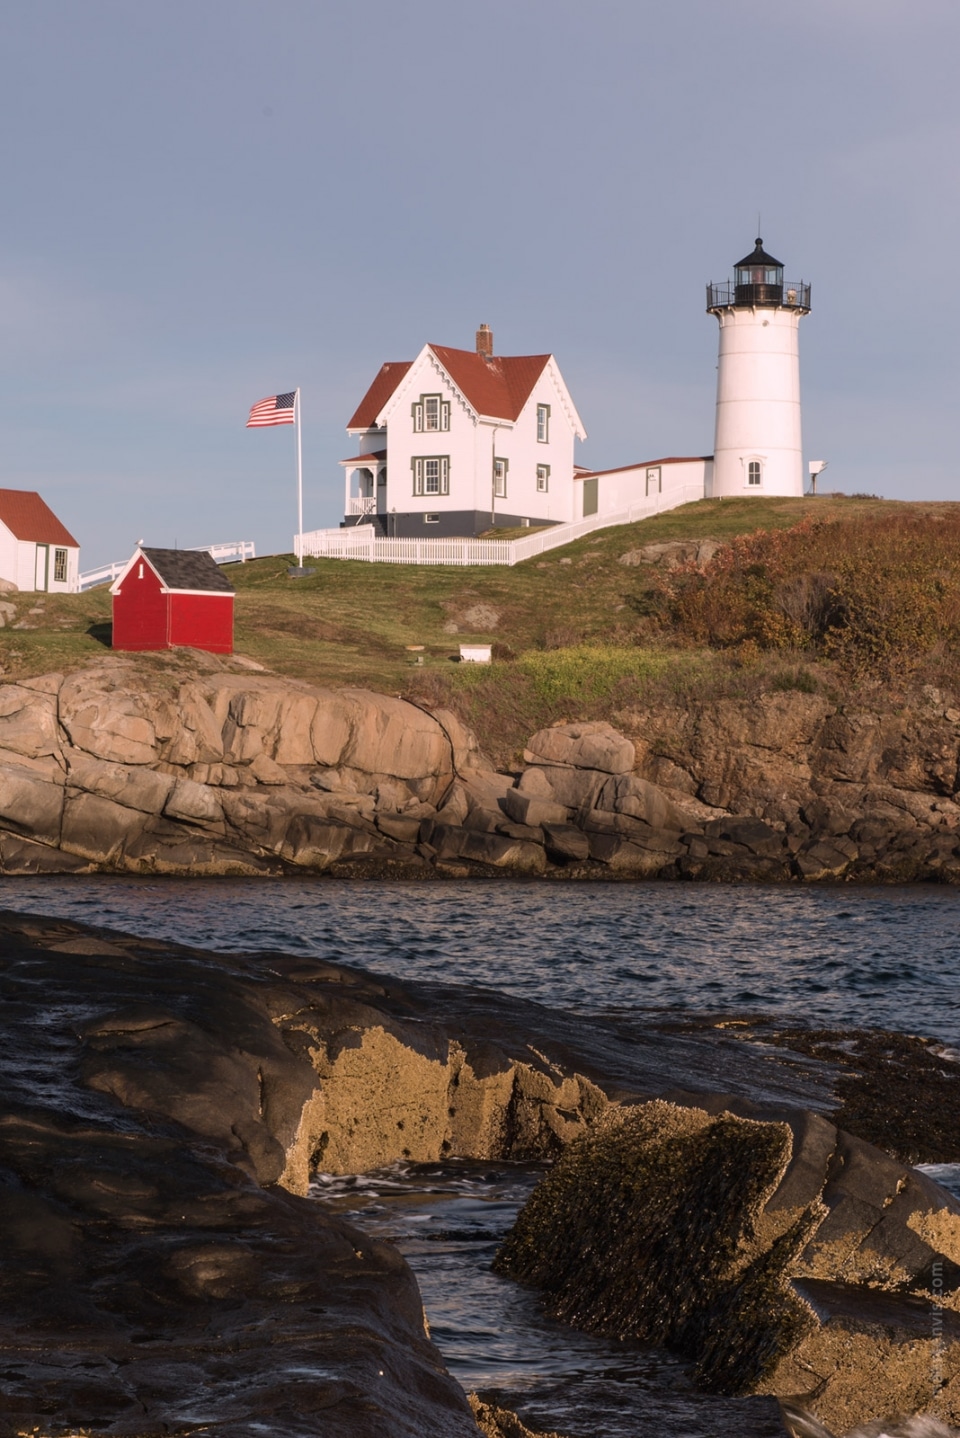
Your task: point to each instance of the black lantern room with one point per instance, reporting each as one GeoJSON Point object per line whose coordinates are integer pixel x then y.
{"type": "Point", "coordinates": [758, 279]}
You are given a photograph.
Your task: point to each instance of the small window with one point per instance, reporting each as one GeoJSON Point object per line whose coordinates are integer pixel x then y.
{"type": "Point", "coordinates": [60, 566]}
{"type": "Point", "coordinates": [500, 467]}
{"type": "Point", "coordinates": [753, 471]}
{"type": "Point", "coordinates": [431, 413]}
{"type": "Point", "coordinates": [431, 519]}
{"type": "Point", "coordinates": [431, 474]}
{"type": "Point", "coordinates": [543, 478]}
{"type": "Point", "coordinates": [543, 423]}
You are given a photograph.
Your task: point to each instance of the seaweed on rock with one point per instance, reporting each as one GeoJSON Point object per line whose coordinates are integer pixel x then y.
{"type": "Point", "coordinates": [650, 1227]}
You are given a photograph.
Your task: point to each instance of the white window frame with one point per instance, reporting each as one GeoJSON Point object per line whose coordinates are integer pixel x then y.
{"type": "Point", "coordinates": [431, 518]}
{"type": "Point", "coordinates": [543, 424]}
{"type": "Point", "coordinates": [754, 465]}
{"type": "Point", "coordinates": [60, 562]}
{"type": "Point", "coordinates": [543, 478]}
{"type": "Point", "coordinates": [421, 475]}
{"type": "Point", "coordinates": [500, 470]}
{"type": "Point", "coordinates": [421, 416]}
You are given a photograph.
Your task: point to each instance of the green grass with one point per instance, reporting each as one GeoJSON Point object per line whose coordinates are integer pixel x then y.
{"type": "Point", "coordinates": [567, 628]}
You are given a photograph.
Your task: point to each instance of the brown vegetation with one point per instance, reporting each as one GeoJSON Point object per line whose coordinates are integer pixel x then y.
{"type": "Point", "coordinates": [879, 594]}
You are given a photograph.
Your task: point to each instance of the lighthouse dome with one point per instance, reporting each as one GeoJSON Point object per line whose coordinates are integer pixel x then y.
{"type": "Point", "coordinates": [758, 278]}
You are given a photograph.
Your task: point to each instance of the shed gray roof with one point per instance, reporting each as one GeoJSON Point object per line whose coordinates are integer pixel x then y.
{"type": "Point", "coordinates": [188, 569]}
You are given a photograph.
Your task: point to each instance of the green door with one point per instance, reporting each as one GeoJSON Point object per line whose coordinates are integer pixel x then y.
{"type": "Point", "coordinates": [590, 496]}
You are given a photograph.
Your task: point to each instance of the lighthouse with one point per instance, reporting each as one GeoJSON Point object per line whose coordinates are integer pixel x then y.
{"type": "Point", "coordinates": [757, 448]}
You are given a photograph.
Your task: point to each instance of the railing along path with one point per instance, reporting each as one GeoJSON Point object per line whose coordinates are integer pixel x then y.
{"type": "Point", "coordinates": [230, 550]}
{"type": "Point", "coordinates": [361, 541]}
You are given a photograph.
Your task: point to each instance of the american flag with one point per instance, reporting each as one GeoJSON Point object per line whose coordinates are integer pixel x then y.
{"type": "Point", "coordinates": [275, 409]}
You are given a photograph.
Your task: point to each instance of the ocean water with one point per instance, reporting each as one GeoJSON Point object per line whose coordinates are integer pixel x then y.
{"type": "Point", "coordinates": [859, 957]}
{"type": "Point", "coordinates": [853, 957]}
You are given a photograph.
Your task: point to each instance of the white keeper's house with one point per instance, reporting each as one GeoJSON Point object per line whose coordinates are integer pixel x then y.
{"type": "Point", "coordinates": [37, 552]}
{"type": "Point", "coordinates": [458, 441]}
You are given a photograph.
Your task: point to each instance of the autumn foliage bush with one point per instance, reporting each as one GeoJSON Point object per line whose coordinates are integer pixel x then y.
{"type": "Point", "coordinates": [879, 595]}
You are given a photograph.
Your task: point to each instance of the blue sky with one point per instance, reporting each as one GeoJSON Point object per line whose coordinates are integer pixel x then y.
{"type": "Point", "coordinates": [205, 203]}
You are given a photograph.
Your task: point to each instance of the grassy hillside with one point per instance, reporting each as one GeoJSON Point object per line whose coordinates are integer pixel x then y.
{"type": "Point", "coordinates": [575, 632]}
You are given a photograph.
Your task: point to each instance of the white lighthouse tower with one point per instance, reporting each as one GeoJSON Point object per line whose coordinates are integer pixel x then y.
{"type": "Point", "coordinates": [757, 447]}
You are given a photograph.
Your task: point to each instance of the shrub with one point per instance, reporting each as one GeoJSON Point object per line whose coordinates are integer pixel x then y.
{"type": "Point", "coordinates": [876, 594]}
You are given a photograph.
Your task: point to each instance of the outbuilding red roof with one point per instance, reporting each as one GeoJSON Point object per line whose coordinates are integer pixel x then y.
{"type": "Point", "coordinates": [579, 473]}
{"type": "Point", "coordinates": [498, 386]}
{"type": "Point", "coordinates": [28, 517]}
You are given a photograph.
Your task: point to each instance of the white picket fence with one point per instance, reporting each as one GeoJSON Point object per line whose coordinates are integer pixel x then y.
{"type": "Point", "coordinates": [361, 541]}
{"type": "Point", "coordinates": [232, 550]}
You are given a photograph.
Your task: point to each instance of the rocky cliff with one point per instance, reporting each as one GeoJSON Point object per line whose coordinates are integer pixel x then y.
{"type": "Point", "coordinates": [123, 769]}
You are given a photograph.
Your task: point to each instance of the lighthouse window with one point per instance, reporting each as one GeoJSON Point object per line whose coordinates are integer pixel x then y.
{"type": "Point", "coordinates": [753, 472]}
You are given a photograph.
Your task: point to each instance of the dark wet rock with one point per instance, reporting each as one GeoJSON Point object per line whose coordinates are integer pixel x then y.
{"type": "Point", "coordinates": [160, 1272]}
{"type": "Point", "coordinates": [779, 1254]}
{"type": "Point", "coordinates": [161, 1119]}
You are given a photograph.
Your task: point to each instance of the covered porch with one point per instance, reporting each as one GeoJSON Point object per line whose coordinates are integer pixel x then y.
{"type": "Point", "coordinates": [365, 485]}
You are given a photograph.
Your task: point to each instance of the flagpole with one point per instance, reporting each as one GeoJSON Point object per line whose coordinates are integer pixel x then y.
{"type": "Point", "coordinates": [299, 483]}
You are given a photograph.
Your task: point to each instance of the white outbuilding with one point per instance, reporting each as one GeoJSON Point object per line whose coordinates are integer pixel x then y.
{"type": "Point", "coordinates": [37, 552]}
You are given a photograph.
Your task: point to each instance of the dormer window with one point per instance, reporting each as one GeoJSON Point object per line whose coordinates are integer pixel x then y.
{"type": "Point", "coordinates": [543, 423]}
{"type": "Point", "coordinates": [431, 414]}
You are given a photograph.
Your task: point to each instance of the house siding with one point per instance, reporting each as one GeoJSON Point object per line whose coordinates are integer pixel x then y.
{"type": "Point", "coordinates": [202, 621]}
{"type": "Point", "coordinates": [140, 611]}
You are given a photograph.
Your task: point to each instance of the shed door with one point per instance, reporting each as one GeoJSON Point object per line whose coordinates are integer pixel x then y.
{"type": "Point", "coordinates": [43, 560]}
{"type": "Point", "coordinates": [589, 496]}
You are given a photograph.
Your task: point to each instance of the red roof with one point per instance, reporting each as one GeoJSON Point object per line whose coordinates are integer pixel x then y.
{"type": "Point", "coordinates": [383, 386]}
{"type": "Point", "coordinates": [27, 517]}
{"type": "Point", "coordinates": [579, 473]}
{"type": "Point", "coordinates": [499, 386]}
{"type": "Point", "coordinates": [376, 456]}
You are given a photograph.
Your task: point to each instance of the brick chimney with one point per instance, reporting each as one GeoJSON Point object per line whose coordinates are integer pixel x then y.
{"type": "Point", "coordinates": [485, 341]}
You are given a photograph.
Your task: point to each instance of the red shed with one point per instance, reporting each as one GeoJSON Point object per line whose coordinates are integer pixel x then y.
{"type": "Point", "coordinates": [167, 597]}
